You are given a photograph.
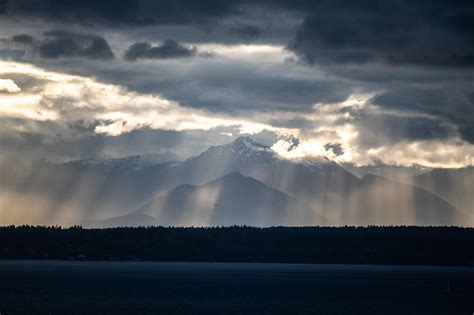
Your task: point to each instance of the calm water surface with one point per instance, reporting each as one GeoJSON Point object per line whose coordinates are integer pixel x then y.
{"type": "Point", "coordinates": [56, 287]}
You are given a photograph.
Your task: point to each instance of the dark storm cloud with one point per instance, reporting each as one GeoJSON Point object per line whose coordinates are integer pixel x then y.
{"type": "Point", "coordinates": [412, 98]}
{"type": "Point", "coordinates": [59, 44]}
{"type": "Point", "coordinates": [168, 49]}
{"type": "Point", "coordinates": [247, 91]}
{"type": "Point", "coordinates": [267, 92]}
{"type": "Point", "coordinates": [225, 86]}
{"type": "Point", "coordinates": [467, 132]}
{"type": "Point", "coordinates": [379, 74]}
{"type": "Point", "coordinates": [15, 47]}
{"type": "Point", "coordinates": [470, 96]}
{"type": "Point", "coordinates": [434, 101]}
{"type": "Point", "coordinates": [426, 33]}
{"type": "Point", "coordinates": [416, 56]}
{"type": "Point", "coordinates": [245, 32]}
{"type": "Point", "coordinates": [121, 12]}
{"type": "Point", "coordinates": [385, 130]}
{"type": "Point", "coordinates": [23, 39]}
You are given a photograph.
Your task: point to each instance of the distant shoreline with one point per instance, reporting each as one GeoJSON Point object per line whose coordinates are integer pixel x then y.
{"type": "Point", "coordinates": [209, 264]}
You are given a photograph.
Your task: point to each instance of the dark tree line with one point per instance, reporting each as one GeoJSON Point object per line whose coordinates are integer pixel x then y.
{"type": "Point", "coordinates": [341, 245]}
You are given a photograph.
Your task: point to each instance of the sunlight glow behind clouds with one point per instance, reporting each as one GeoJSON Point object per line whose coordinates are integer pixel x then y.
{"type": "Point", "coordinates": [263, 53]}
{"type": "Point", "coordinates": [112, 110]}
{"type": "Point", "coordinates": [9, 86]}
{"type": "Point", "coordinates": [116, 110]}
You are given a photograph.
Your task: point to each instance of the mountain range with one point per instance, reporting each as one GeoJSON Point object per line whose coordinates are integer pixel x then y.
{"type": "Point", "coordinates": [242, 182]}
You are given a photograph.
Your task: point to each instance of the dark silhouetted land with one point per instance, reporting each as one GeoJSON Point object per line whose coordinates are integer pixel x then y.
{"type": "Point", "coordinates": [443, 246]}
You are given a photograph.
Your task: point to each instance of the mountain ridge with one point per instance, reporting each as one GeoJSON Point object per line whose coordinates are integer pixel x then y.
{"type": "Point", "coordinates": [231, 199]}
{"type": "Point", "coordinates": [87, 190]}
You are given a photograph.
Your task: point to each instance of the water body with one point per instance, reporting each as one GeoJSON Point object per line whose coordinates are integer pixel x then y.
{"type": "Point", "coordinates": [57, 287]}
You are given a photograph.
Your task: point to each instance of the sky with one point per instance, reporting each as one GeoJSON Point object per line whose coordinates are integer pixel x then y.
{"type": "Point", "coordinates": [360, 82]}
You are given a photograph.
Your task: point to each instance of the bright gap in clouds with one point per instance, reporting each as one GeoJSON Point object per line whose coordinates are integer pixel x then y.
{"type": "Point", "coordinates": [113, 109]}
{"type": "Point", "coordinates": [265, 53]}
{"type": "Point", "coordinates": [8, 86]}
{"type": "Point", "coordinates": [332, 130]}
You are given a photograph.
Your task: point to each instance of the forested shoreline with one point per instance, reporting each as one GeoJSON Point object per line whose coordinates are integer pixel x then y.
{"type": "Point", "coordinates": [448, 246]}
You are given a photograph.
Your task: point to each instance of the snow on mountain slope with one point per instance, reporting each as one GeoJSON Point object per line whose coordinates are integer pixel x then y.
{"type": "Point", "coordinates": [90, 189]}
{"type": "Point", "coordinates": [301, 179]}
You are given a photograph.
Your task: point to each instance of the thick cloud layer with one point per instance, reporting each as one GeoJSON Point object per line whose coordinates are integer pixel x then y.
{"type": "Point", "coordinates": [362, 82]}
{"type": "Point", "coordinates": [456, 108]}
{"type": "Point", "coordinates": [121, 12]}
{"type": "Point", "coordinates": [246, 32]}
{"type": "Point", "coordinates": [69, 109]}
{"type": "Point", "coordinates": [425, 33]}
{"type": "Point", "coordinates": [57, 44]}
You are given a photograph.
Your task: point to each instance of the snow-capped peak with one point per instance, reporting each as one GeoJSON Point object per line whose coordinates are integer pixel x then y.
{"type": "Point", "coordinates": [246, 143]}
{"type": "Point", "coordinates": [242, 148]}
